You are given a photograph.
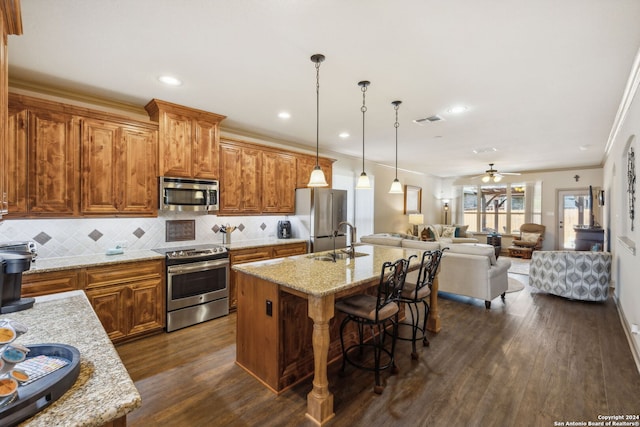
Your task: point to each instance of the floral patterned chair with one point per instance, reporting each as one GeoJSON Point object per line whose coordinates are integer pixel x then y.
{"type": "Point", "coordinates": [579, 275]}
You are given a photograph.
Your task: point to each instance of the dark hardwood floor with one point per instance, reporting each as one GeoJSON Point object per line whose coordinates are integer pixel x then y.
{"type": "Point", "coordinates": [535, 360]}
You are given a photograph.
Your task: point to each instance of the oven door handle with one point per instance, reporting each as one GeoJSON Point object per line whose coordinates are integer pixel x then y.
{"type": "Point", "coordinates": [197, 266]}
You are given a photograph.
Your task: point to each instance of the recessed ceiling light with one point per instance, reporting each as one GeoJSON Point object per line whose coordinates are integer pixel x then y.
{"type": "Point", "coordinates": [484, 150]}
{"type": "Point", "coordinates": [344, 135]}
{"type": "Point", "coordinates": [584, 147]}
{"type": "Point", "coordinates": [284, 115]}
{"type": "Point", "coordinates": [457, 109]}
{"type": "Point", "coordinates": [170, 80]}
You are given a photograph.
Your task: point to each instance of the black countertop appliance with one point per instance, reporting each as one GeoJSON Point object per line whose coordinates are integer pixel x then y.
{"type": "Point", "coordinates": [12, 264]}
{"type": "Point", "coordinates": [284, 229]}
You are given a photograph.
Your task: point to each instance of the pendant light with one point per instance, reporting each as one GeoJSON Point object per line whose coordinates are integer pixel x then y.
{"type": "Point", "coordinates": [363, 181]}
{"type": "Point", "coordinates": [317, 178]}
{"type": "Point", "coordinates": [396, 187]}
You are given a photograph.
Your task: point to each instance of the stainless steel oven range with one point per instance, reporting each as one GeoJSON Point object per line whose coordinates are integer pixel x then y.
{"type": "Point", "coordinates": [197, 284]}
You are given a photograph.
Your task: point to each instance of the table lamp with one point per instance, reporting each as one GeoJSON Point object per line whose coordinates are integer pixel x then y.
{"type": "Point", "coordinates": [416, 220]}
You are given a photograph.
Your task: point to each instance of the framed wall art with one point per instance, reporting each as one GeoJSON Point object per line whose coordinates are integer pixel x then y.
{"type": "Point", "coordinates": [412, 199]}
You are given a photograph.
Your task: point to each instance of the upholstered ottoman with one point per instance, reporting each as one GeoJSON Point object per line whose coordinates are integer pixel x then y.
{"type": "Point", "coordinates": [577, 275]}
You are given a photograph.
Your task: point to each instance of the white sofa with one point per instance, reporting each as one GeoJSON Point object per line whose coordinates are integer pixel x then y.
{"type": "Point", "coordinates": [468, 269]}
{"type": "Point", "coordinates": [455, 233]}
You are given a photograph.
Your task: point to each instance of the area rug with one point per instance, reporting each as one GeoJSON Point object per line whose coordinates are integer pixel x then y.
{"type": "Point", "coordinates": [519, 266]}
{"type": "Point", "coordinates": [516, 284]}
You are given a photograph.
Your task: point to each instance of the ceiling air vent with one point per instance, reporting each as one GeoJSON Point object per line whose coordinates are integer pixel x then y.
{"type": "Point", "coordinates": [430, 119]}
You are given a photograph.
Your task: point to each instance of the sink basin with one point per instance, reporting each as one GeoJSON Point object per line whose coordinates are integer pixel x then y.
{"type": "Point", "coordinates": [338, 255]}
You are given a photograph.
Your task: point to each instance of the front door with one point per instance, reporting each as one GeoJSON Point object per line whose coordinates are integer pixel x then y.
{"type": "Point", "coordinates": [573, 209]}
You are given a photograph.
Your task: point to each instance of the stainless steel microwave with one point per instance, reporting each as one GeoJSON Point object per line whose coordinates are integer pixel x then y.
{"type": "Point", "coordinates": [184, 194]}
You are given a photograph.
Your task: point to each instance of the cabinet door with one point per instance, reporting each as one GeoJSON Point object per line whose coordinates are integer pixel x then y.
{"type": "Point", "coordinates": [304, 167]}
{"type": "Point", "coordinates": [53, 164]}
{"type": "Point", "coordinates": [15, 170]}
{"type": "Point", "coordinates": [146, 306]}
{"type": "Point", "coordinates": [99, 182]}
{"type": "Point", "coordinates": [138, 171]}
{"type": "Point", "coordinates": [251, 179]}
{"type": "Point", "coordinates": [278, 182]}
{"type": "Point", "coordinates": [110, 305]}
{"type": "Point", "coordinates": [205, 150]}
{"type": "Point", "coordinates": [175, 147]}
{"type": "Point", "coordinates": [239, 257]}
{"type": "Point", "coordinates": [230, 179]}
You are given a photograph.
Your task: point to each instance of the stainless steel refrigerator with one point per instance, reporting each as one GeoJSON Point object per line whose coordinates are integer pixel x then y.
{"type": "Point", "coordinates": [319, 211]}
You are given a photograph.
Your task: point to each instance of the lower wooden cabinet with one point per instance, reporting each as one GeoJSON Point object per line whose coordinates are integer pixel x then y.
{"type": "Point", "coordinates": [36, 284]}
{"type": "Point", "coordinates": [128, 298]}
{"type": "Point", "coordinates": [241, 256]}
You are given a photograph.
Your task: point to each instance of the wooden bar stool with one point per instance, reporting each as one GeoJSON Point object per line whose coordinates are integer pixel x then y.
{"type": "Point", "coordinates": [377, 312]}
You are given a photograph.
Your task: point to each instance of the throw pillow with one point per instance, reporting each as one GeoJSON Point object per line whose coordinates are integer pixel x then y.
{"type": "Point", "coordinates": [530, 237]}
{"type": "Point", "coordinates": [448, 232]}
{"type": "Point", "coordinates": [432, 235]}
{"type": "Point", "coordinates": [462, 232]}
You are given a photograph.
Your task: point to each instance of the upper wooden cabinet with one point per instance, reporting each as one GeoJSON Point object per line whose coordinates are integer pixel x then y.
{"type": "Point", "coordinates": [189, 140]}
{"type": "Point", "coordinates": [240, 179]}
{"type": "Point", "coordinates": [305, 165]}
{"type": "Point", "coordinates": [52, 163]}
{"type": "Point", "coordinates": [258, 179]}
{"type": "Point", "coordinates": [118, 169]}
{"type": "Point", "coordinates": [278, 182]}
{"type": "Point", "coordinates": [66, 161]}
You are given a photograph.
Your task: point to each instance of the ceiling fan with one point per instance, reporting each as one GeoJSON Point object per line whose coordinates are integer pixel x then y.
{"type": "Point", "coordinates": [493, 175]}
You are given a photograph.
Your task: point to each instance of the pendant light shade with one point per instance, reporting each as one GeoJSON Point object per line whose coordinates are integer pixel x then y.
{"type": "Point", "coordinates": [317, 178]}
{"type": "Point", "coordinates": [363, 181]}
{"type": "Point", "coordinates": [396, 187]}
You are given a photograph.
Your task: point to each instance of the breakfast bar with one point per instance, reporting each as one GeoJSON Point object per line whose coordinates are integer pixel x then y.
{"type": "Point", "coordinates": [286, 308]}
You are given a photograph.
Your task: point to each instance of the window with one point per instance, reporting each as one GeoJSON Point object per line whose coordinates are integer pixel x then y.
{"type": "Point", "coordinates": [500, 208]}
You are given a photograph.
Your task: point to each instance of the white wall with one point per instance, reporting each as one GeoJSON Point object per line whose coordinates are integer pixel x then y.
{"type": "Point", "coordinates": [552, 182]}
{"type": "Point", "coordinates": [626, 265]}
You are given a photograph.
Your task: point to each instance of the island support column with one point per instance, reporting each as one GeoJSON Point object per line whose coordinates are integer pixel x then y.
{"type": "Point", "coordinates": [433, 322]}
{"type": "Point", "coordinates": [320, 400]}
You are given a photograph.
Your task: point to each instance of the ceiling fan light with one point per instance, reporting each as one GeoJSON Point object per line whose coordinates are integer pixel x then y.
{"type": "Point", "coordinates": [486, 178]}
{"type": "Point", "coordinates": [497, 178]}
{"type": "Point", "coordinates": [317, 178]}
{"type": "Point", "coordinates": [396, 187]}
{"type": "Point", "coordinates": [363, 182]}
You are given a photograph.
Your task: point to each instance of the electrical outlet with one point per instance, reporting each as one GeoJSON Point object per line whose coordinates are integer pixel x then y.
{"type": "Point", "coordinates": [122, 244]}
{"type": "Point", "coordinates": [635, 329]}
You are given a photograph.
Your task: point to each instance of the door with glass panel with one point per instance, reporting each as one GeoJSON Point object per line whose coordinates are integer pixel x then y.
{"type": "Point", "coordinates": [573, 210]}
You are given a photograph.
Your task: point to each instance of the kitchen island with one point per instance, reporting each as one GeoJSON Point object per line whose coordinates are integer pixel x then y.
{"type": "Point", "coordinates": [104, 393]}
{"type": "Point", "coordinates": [286, 326]}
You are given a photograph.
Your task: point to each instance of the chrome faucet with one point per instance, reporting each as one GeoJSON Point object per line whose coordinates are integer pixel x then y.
{"type": "Point", "coordinates": [352, 249]}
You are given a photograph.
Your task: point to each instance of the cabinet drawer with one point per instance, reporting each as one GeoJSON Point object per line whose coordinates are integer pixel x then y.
{"type": "Point", "coordinates": [289, 250]}
{"type": "Point", "coordinates": [36, 284]}
{"type": "Point", "coordinates": [113, 275]}
{"type": "Point", "coordinates": [250, 256]}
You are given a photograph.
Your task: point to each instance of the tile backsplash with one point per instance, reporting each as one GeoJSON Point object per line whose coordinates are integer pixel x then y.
{"type": "Point", "coordinates": [70, 237]}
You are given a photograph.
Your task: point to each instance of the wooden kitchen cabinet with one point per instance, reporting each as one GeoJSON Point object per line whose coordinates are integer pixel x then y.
{"type": "Point", "coordinates": [188, 140]}
{"type": "Point", "coordinates": [43, 156]}
{"type": "Point", "coordinates": [278, 182]}
{"type": "Point", "coordinates": [118, 169]}
{"type": "Point", "coordinates": [240, 179]}
{"type": "Point", "coordinates": [242, 256]}
{"type": "Point", "coordinates": [46, 283]}
{"type": "Point", "coordinates": [305, 165]}
{"type": "Point", "coordinates": [129, 298]}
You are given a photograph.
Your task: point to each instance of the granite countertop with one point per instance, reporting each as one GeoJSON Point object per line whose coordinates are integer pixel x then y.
{"type": "Point", "coordinates": [257, 243]}
{"type": "Point", "coordinates": [63, 263]}
{"type": "Point", "coordinates": [319, 278]}
{"type": "Point", "coordinates": [104, 390]}
{"type": "Point", "coordinates": [42, 265]}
